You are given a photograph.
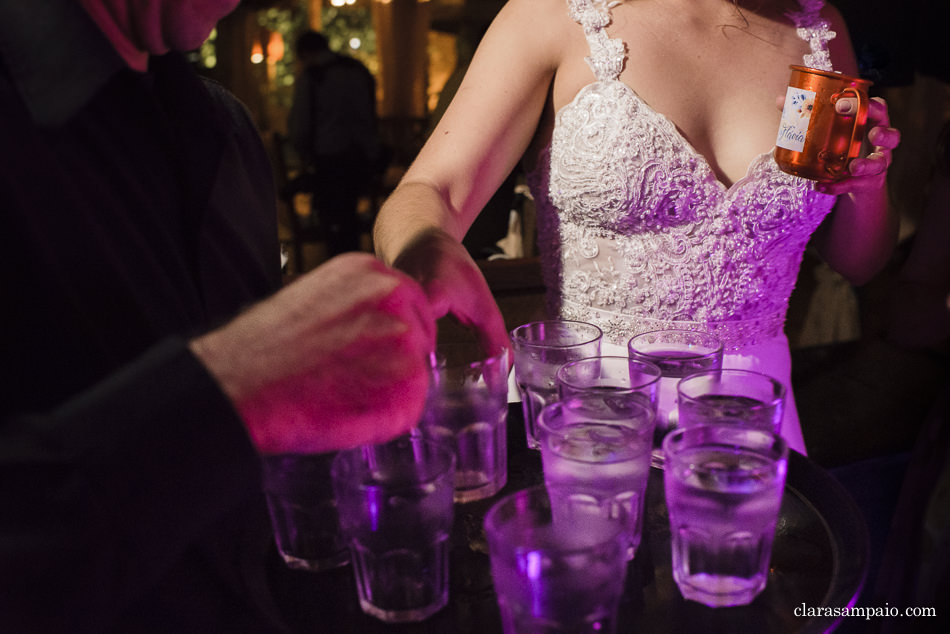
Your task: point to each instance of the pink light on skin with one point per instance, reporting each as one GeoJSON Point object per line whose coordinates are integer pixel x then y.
{"type": "Point", "coordinates": [139, 28]}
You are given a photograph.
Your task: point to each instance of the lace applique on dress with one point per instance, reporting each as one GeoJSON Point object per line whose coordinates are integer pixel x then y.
{"type": "Point", "coordinates": [635, 231]}
{"type": "Point", "coordinates": [815, 30]}
{"type": "Point", "coordinates": [607, 55]}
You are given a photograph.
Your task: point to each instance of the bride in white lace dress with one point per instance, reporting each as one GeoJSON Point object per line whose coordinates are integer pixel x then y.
{"type": "Point", "coordinates": [647, 128]}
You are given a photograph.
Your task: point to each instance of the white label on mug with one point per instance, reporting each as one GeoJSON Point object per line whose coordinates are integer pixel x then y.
{"type": "Point", "coordinates": [796, 115]}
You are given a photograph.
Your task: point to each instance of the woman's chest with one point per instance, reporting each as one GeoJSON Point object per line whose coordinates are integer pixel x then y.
{"type": "Point", "coordinates": [618, 166]}
{"type": "Point", "coordinates": [716, 81]}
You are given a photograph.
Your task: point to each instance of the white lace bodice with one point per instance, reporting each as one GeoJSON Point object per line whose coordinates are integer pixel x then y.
{"type": "Point", "coordinates": [636, 233]}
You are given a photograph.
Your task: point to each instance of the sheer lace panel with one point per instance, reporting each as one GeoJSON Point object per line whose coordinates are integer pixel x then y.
{"type": "Point", "coordinates": [635, 231]}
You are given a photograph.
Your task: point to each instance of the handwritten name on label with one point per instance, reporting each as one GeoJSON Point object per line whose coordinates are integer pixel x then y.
{"type": "Point", "coordinates": [796, 116]}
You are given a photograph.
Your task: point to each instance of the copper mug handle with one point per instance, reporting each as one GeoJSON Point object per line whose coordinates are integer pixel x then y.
{"type": "Point", "coordinates": [856, 128]}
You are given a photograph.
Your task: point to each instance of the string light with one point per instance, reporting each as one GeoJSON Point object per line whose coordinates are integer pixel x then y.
{"type": "Point", "coordinates": [257, 53]}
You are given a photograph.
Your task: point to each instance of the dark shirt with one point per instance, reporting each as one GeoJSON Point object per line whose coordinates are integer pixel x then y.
{"type": "Point", "coordinates": [136, 210]}
{"type": "Point", "coordinates": [333, 114]}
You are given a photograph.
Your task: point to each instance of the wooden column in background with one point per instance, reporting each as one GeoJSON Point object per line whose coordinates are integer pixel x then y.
{"type": "Point", "coordinates": [236, 33]}
{"type": "Point", "coordinates": [402, 28]}
{"type": "Point", "coordinates": [314, 12]}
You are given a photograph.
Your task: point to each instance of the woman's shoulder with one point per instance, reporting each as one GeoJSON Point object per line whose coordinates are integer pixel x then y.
{"type": "Point", "coordinates": [549, 12]}
{"type": "Point", "coordinates": [829, 12]}
{"type": "Point", "coordinates": [555, 15]}
{"type": "Point", "coordinates": [840, 48]}
{"type": "Point", "coordinates": [533, 29]}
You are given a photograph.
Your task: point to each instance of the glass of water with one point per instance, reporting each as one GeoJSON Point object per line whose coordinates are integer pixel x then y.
{"type": "Point", "coordinates": [610, 376]}
{"type": "Point", "coordinates": [467, 406]}
{"type": "Point", "coordinates": [595, 452]}
{"type": "Point", "coordinates": [734, 397]}
{"type": "Point", "coordinates": [555, 572]}
{"type": "Point", "coordinates": [723, 487]}
{"type": "Point", "coordinates": [303, 511]}
{"type": "Point", "coordinates": [541, 348]}
{"type": "Point", "coordinates": [396, 511]}
{"type": "Point", "coordinates": [678, 353]}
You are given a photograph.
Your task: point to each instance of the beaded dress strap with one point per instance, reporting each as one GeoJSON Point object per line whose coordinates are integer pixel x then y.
{"type": "Point", "coordinates": [813, 29]}
{"type": "Point", "coordinates": [607, 55]}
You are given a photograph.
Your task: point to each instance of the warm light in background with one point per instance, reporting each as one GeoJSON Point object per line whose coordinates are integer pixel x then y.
{"type": "Point", "coordinates": [340, 3]}
{"type": "Point", "coordinates": [355, 43]}
{"type": "Point", "coordinates": [275, 47]}
{"type": "Point", "coordinates": [257, 53]}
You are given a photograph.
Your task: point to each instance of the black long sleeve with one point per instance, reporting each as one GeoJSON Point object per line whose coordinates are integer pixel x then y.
{"type": "Point", "coordinates": [104, 494]}
{"type": "Point", "coordinates": [137, 210]}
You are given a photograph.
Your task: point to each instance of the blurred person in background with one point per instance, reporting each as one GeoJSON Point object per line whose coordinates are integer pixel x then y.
{"type": "Point", "coordinates": [333, 128]}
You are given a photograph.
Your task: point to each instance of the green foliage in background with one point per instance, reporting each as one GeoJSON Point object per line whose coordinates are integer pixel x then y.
{"type": "Point", "coordinates": [341, 25]}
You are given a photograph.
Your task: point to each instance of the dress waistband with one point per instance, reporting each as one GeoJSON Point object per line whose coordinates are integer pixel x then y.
{"type": "Point", "coordinates": [734, 334]}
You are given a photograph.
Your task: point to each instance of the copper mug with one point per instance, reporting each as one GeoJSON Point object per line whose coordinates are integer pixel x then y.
{"type": "Point", "coordinates": [814, 140]}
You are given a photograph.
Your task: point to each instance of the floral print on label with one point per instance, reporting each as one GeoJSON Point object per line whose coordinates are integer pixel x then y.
{"type": "Point", "coordinates": [796, 116]}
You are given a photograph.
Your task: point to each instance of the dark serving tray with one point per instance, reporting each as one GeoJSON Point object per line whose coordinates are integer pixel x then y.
{"type": "Point", "coordinates": [819, 559]}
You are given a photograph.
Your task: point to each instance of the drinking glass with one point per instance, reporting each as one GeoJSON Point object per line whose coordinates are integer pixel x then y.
{"type": "Point", "coordinates": [612, 376]}
{"type": "Point", "coordinates": [540, 348]}
{"type": "Point", "coordinates": [303, 511]}
{"type": "Point", "coordinates": [724, 487]}
{"type": "Point", "coordinates": [467, 405]}
{"type": "Point", "coordinates": [555, 570]}
{"type": "Point", "coordinates": [736, 397]}
{"type": "Point", "coordinates": [396, 510]}
{"type": "Point", "coordinates": [677, 353]}
{"type": "Point", "coordinates": [595, 452]}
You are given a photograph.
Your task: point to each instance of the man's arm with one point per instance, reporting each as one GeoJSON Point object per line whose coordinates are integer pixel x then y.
{"type": "Point", "coordinates": [102, 495]}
